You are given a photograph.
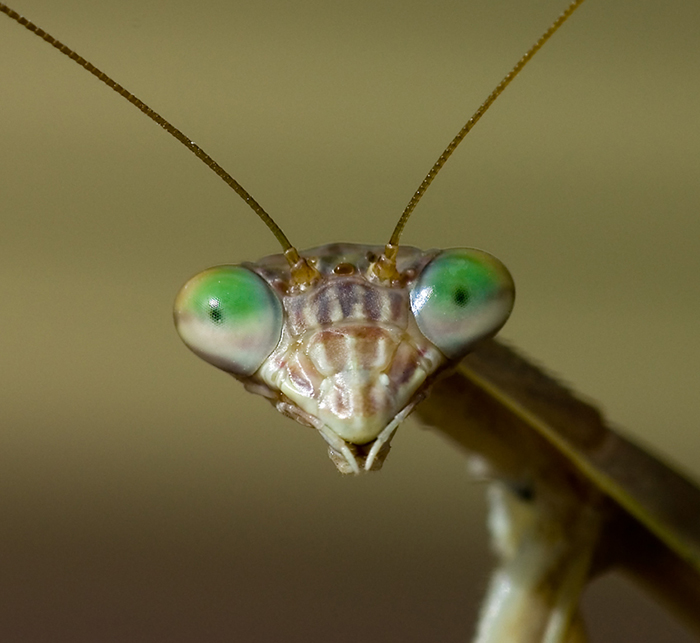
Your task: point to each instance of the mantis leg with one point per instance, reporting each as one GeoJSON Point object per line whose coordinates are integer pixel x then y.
{"type": "Point", "coordinates": [545, 547]}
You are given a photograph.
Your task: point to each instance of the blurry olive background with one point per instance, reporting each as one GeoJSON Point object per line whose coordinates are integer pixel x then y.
{"type": "Point", "coordinates": [144, 495]}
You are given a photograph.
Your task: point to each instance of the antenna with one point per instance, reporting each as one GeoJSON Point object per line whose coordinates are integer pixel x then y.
{"type": "Point", "coordinates": [385, 267]}
{"type": "Point", "coordinates": [302, 273]}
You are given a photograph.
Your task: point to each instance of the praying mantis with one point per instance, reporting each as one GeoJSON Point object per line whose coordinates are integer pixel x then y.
{"type": "Point", "coordinates": [117, 246]}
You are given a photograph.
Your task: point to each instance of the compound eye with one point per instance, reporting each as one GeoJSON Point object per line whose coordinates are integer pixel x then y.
{"type": "Point", "coordinates": [461, 297]}
{"type": "Point", "coordinates": [230, 317]}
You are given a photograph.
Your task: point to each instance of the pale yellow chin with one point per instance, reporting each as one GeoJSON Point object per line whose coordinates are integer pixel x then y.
{"type": "Point", "coordinates": [360, 432]}
{"type": "Point", "coordinates": [356, 430]}
{"type": "Point", "coordinates": [357, 405]}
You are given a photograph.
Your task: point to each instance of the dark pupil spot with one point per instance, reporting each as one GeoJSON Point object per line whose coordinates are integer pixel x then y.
{"type": "Point", "coordinates": [215, 314]}
{"type": "Point", "coordinates": [523, 491]}
{"type": "Point", "coordinates": [460, 296]}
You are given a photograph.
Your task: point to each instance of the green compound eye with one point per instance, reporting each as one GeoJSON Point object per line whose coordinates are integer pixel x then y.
{"type": "Point", "coordinates": [461, 297]}
{"type": "Point", "coordinates": [230, 317]}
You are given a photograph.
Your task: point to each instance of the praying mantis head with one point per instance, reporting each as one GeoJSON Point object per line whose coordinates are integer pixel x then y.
{"type": "Point", "coordinates": [347, 339]}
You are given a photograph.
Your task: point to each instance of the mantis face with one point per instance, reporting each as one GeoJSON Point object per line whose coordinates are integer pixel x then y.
{"type": "Point", "coordinates": [348, 354]}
